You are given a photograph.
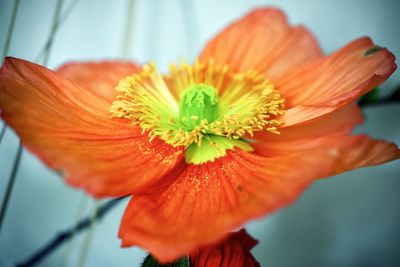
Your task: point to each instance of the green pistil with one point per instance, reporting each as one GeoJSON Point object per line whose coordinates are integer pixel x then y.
{"type": "Point", "coordinates": [199, 102]}
{"type": "Point", "coordinates": [199, 106]}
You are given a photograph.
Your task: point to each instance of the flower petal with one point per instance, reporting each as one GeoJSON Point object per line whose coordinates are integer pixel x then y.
{"type": "Point", "coordinates": [263, 41]}
{"type": "Point", "coordinates": [334, 81]}
{"type": "Point", "coordinates": [351, 152]}
{"type": "Point", "coordinates": [233, 251]}
{"type": "Point", "coordinates": [100, 78]}
{"type": "Point", "coordinates": [70, 129]}
{"type": "Point", "coordinates": [345, 152]}
{"type": "Point", "coordinates": [174, 219]}
{"type": "Point", "coordinates": [201, 203]}
{"type": "Point", "coordinates": [309, 135]}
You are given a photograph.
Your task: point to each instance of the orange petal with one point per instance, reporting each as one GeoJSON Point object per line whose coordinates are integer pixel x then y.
{"type": "Point", "coordinates": [233, 251]}
{"type": "Point", "coordinates": [201, 203]}
{"type": "Point", "coordinates": [264, 41]}
{"type": "Point", "coordinates": [351, 152]}
{"type": "Point", "coordinates": [332, 82]}
{"type": "Point", "coordinates": [70, 129]}
{"type": "Point", "coordinates": [312, 134]}
{"type": "Point", "coordinates": [345, 152]}
{"type": "Point", "coordinates": [100, 78]}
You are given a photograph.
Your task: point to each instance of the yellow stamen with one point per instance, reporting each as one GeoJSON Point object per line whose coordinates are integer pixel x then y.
{"type": "Point", "coordinates": [247, 102]}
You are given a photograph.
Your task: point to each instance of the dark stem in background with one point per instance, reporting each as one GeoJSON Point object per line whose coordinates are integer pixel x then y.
{"type": "Point", "coordinates": [127, 43]}
{"type": "Point", "coordinates": [57, 21]}
{"type": "Point", "coordinates": [3, 131]}
{"type": "Point", "coordinates": [190, 26]}
{"type": "Point", "coordinates": [391, 99]}
{"type": "Point", "coordinates": [54, 26]}
{"type": "Point", "coordinates": [89, 237]}
{"type": "Point", "coordinates": [69, 233]}
{"type": "Point", "coordinates": [11, 180]}
{"type": "Point", "coordinates": [7, 48]}
{"type": "Point", "coordinates": [10, 184]}
{"type": "Point", "coordinates": [11, 28]}
{"type": "Point", "coordinates": [60, 21]}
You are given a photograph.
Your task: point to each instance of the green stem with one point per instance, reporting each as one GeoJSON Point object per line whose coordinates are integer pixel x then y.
{"type": "Point", "coordinates": [17, 161]}
{"type": "Point", "coordinates": [150, 261]}
{"type": "Point", "coordinates": [61, 20]}
{"type": "Point", "coordinates": [7, 48]}
{"type": "Point", "coordinates": [127, 44]}
{"type": "Point", "coordinates": [190, 27]}
{"type": "Point", "coordinates": [82, 204]}
{"type": "Point", "coordinates": [89, 236]}
{"type": "Point", "coordinates": [11, 28]}
{"type": "Point", "coordinates": [3, 131]}
{"type": "Point", "coordinates": [10, 185]}
{"type": "Point", "coordinates": [54, 25]}
{"type": "Point", "coordinates": [67, 234]}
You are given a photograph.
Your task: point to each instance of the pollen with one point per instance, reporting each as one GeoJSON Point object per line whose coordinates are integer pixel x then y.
{"type": "Point", "coordinates": [204, 104]}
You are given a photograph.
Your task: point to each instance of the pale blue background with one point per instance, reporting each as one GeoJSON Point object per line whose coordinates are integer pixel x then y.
{"type": "Point", "coordinates": [349, 220]}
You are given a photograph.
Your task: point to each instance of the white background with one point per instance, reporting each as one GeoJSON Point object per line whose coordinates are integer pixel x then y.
{"type": "Point", "coordinates": [349, 220]}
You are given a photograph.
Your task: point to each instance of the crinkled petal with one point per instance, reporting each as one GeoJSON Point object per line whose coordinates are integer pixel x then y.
{"type": "Point", "coordinates": [344, 152]}
{"type": "Point", "coordinates": [312, 134]}
{"type": "Point", "coordinates": [264, 41]}
{"type": "Point", "coordinates": [100, 78]}
{"type": "Point", "coordinates": [351, 152]}
{"type": "Point", "coordinates": [202, 203]}
{"type": "Point", "coordinates": [199, 204]}
{"type": "Point", "coordinates": [334, 81]}
{"type": "Point", "coordinates": [233, 251]}
{"type": "Point", "coordinates": [70, 129]}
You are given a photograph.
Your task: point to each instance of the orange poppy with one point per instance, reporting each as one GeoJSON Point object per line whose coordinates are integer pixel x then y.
{"type": "Point", "coordinates": [240, 133]}
{"type": "Point", "coordinates": [233, 251]}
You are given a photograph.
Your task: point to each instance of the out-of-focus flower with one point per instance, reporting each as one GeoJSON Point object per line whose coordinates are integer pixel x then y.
{"type": "Point", "coordinates": [235, 136]}
{"type": "Point", "coordinates": [233, 251]}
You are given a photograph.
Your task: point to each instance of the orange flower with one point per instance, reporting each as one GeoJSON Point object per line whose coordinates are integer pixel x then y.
{"type": "Point", "coordinates": [210, 146]}
{"type": "Point", "coordinates": [233, 251]}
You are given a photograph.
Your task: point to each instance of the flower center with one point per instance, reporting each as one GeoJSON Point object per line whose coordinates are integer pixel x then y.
{"type": "Point", "coordinates": [205, 108]}
{"type": "Point", "coordinates": [198, 105]}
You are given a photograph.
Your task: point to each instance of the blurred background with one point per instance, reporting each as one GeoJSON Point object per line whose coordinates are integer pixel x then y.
{"type": "Point", "coordinates": [348, 220]}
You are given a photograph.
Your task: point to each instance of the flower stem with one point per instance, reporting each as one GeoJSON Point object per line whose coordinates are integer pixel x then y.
{"type": "Point", "coordinates": [82, 205]}
{"type": "Point", "coordinates": [61, 20]}
{"type": "Point", "coordinates": [10, 185]}
{"type": "Point", "coordinates": [89, 237]}
{"type": "Point", "coordinates": [127, 44]}
{"type": "Point", "coordinates": [54, 25]}
{"type": "Point", "coordinates": [191, 28]}
{"type": "Point", "coordinates": [3, 131]}
{"type": "Point", "coordinates": [16, 164]}
{"type": "Point", "coordinates": [150, 261]}
{"type": "Point", "coordinates": [11, 28]}
{"type": "Point", "coordinates": [7, 48]}
{"type": "Point", "coordinates": [66, 235]}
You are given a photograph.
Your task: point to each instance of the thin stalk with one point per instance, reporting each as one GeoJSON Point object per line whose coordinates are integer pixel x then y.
{"type": "Point", "coordinates": [66, 235]}
{"type": "Point", "coordinates": [3, 131]}
{"type": "Point", "coordinates": [11, 28]}
{"type": "Point", "coordinates": [82, 204]}
{"type": "Point", "coordinates": [7, 48]}
{"type": "Point", "coordinates": [127, 44]}
{"type": "Point", "coordinates": [63, 18]}
{"type": "Point", "coordinates": [10, 185]}
{"type": "Point", "coordinates": [89, 237]}
{"type": "Point", "coordinates": [17, 161]}
{"type": "Point", "coordinates": [54, 24]}
{"type": "Point", "coordinates": [190, 25]}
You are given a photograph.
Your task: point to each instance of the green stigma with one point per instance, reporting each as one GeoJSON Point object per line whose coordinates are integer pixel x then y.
{"type": "Point", "coordinates": [199, 107]}
{"type": "Point", "coordinates": [199, 103]}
